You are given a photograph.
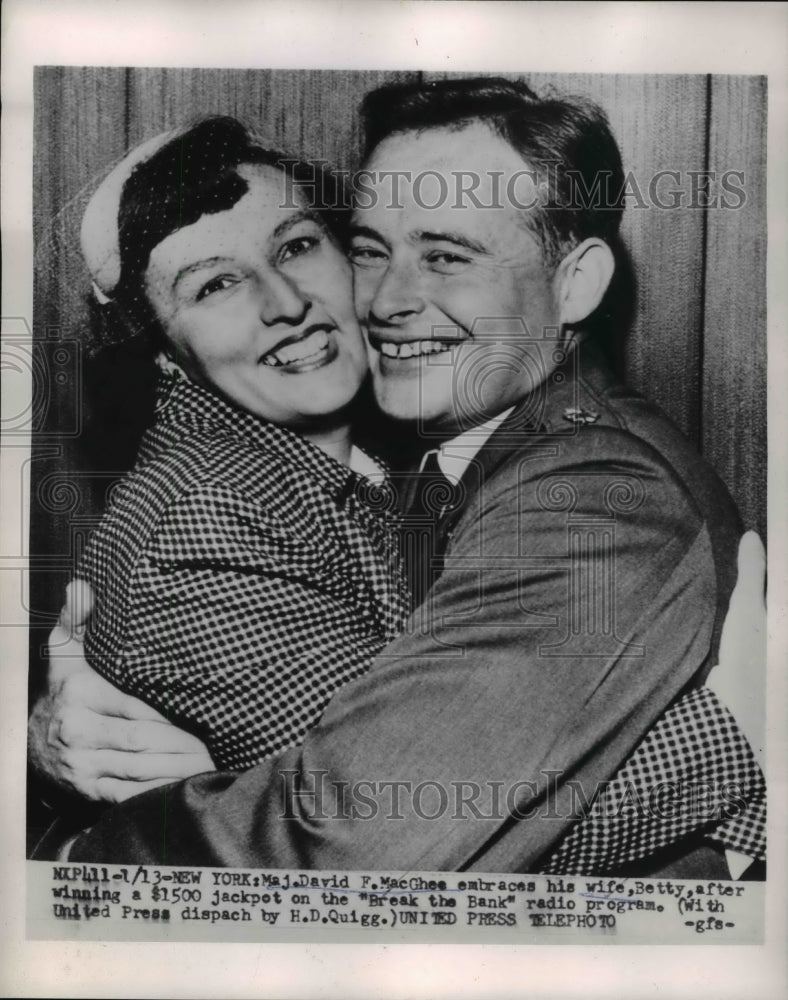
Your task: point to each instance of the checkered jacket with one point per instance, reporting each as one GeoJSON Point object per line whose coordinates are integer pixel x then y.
{"type": "Point", "coordinates": [693, 776]}
{"type": "Point", "coordinates": [241, 576]}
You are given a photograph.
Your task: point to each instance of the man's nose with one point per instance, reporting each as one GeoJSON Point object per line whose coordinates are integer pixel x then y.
{"type": "Point", "coordinates": [281, 300]}
{"type": "Point", "coordinates": [398, 294]}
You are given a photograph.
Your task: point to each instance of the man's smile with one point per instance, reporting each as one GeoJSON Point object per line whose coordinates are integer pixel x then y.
{"type": "Point", "coordinates": [400, 350]}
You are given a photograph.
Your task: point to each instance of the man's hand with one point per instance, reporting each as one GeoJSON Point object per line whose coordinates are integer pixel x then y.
{"type": "Point", "coordinates": [88, 737]}
{"type": "Point", "coordinates": [739, 680]}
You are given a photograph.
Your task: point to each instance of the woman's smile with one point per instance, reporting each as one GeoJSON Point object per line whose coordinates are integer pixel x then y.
{"type": "Point", "coordinates": [304, 352]}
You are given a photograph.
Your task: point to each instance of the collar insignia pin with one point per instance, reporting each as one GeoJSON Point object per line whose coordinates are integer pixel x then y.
{"type": "Point", "coordinates": [576, 415]}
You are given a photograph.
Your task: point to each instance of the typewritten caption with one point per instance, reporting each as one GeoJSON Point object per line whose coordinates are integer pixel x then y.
{"type": "Point", "coordinates": [118, 902]}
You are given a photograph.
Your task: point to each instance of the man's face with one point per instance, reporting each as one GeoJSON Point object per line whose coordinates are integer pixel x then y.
{"type": "Point", "coordinates": [455, 299]}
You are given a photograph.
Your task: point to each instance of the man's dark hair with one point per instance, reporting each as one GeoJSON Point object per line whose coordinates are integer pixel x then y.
{"type": "Point", "coordinates": [566, 141]}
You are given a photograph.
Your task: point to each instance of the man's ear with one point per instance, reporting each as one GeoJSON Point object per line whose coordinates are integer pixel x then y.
{"type": "Point", "coordinates": [582, 279]}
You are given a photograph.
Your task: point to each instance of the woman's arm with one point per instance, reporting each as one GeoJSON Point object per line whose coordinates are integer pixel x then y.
{"type": "Point", "coordinates": [739, 680]}
{"type": "Point", "coordinates": [237, 625]}
{"type": "Point", "coordinates": [242, 626]}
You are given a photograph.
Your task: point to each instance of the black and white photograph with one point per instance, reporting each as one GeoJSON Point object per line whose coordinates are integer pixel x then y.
{"type": "Point", "coordinates": [551, 613]}
{"type": "Point", "coordinates": [394, 484]}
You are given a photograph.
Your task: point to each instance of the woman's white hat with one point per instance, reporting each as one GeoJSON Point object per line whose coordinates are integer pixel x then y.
{"type": "Point", "coordinates": [99, 231]}
{"type": "Point", "coordinates": [99, 236]}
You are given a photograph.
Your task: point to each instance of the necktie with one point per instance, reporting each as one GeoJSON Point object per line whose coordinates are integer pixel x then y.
{"type": "Point", "coordinates": [432, 497]}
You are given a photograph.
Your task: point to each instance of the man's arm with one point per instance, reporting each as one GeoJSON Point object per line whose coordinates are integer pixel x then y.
{"type": "Point", "coordinates": [500, 694]}
{"type": "Point", "coordinates": [87, 737]}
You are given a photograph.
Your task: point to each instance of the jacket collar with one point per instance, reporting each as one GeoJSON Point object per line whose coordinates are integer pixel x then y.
{"type": "Point", "coordinates": [183, 405]}
{"type": "Point", "coordinates": [543, 414]}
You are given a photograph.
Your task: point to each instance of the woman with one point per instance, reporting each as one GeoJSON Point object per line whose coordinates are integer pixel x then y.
{"type": "Point", "coordinates": [244, 571]}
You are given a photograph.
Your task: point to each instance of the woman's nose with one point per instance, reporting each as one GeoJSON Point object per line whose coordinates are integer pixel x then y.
{"type": "Point", "coordinates": [282, 301]}
{"type": "Point", "coordinates": [398, 295]}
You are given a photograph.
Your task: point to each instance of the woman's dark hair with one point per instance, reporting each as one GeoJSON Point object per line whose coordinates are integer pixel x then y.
{"type": "Point", "coordinates": [196, 174]}
{"type": "Point", "coordinates": [567, 141]}
{"type": "Point", "coordinates": [192, 175]}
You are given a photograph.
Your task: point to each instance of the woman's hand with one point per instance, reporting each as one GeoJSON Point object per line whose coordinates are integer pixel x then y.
{"type": "Point", "coordinates": [739, 680]}
{"type": "Point", "coordinates": [88, 737]}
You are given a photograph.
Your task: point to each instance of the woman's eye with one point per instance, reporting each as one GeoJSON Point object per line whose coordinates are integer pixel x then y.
{"type": "Point", "coordinates": [365, 256]}
{"type": "Point", "coordinates": [298, 247]}
{"type": "Point", "coordinates": [218, 284]}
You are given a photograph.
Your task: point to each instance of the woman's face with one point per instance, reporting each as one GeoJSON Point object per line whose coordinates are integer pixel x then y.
{"type": "Point", "coordinates": [257, 302]}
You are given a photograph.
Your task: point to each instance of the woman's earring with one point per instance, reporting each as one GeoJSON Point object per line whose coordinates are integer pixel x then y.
{"type": "Point", "coordinates": [167, 364]}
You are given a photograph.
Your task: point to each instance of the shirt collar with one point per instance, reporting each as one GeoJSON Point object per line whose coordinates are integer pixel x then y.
{"type": "Point", "coordinates": [364, 465]}
{"type": "Point", "coordinates": [456, 455]}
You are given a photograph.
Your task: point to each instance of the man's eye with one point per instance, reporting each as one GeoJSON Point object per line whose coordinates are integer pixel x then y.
{"type": "Point", "coordinates": [446, 262]}
{"type": "Point", "coordinates": [298, 247]}
{"type": "Point", "coordinates": [366, 256]}
{"type": "Point", "coordinates": [218, 284]}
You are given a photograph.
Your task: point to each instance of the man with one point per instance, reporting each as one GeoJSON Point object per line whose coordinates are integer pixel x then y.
{"type": "Point", "coordinates": [579, 557]}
